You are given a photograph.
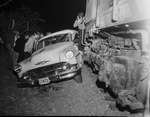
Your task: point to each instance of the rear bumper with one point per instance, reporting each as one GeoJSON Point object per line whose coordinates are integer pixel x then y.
{"type": "Point", "coordinates": [55, 72]}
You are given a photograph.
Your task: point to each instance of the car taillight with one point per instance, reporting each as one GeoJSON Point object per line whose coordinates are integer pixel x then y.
{"type": "Point", "coordinates": [17, 68]}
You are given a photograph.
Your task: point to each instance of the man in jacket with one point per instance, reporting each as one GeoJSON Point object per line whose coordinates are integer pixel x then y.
{"type": "Point", "coordinates": [9, 42]}
{"type": "Point", "coordinates": [80, 23]}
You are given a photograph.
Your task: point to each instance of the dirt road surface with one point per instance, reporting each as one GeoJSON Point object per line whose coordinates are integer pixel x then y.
{"type": "Point", "coordinates": [66, 98]}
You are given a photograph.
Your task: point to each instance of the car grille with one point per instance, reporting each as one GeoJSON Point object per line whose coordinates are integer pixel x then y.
{"type": "Point", "coordinates": [48, 70]}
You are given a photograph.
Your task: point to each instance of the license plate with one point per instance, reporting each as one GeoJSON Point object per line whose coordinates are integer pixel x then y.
{"type": "Point", "coordinates": [44, 81]}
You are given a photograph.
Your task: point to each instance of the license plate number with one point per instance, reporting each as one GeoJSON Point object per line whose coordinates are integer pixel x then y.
{"type": "Point", "coordinates": [44, 81]}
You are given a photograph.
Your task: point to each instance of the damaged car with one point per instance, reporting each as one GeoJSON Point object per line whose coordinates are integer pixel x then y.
{"type": "Point", "coordinates": [56, 58]}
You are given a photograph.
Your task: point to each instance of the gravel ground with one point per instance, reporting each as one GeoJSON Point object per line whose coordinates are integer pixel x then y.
{"type": "Point", "coordinates": [64, 98]}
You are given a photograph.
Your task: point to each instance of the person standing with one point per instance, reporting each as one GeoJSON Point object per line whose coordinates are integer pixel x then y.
{"type": "Point", "coordinates": [30, 44]}
{"type": "Point", "coordinates": [80, 23]}
{"type": "Point", "coordinates": [1, 43]}
{"type": "Point", "coordinates": [9, 43]}
{"type": "Point", "coordinates": [15, 54]}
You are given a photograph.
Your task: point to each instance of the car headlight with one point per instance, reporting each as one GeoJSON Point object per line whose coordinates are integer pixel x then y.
{"type": "Point", "coordinates": [69, 54]}
{"type": "Point", "coordinates": [17, 68]}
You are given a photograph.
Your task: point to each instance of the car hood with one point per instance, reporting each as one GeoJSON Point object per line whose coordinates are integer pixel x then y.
{"type": "Point", "coordinates": [45, 56]}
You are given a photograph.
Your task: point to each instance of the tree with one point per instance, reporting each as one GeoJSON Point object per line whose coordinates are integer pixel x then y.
{"type": "Point", "coordinates": [16, 19]}
{"type": "Point", "coordinates": [5, 3]}
{"type": "Point", "coordinates": [21, 19]}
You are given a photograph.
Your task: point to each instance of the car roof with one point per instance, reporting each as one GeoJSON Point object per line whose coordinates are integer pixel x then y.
{"type": "Point", "coordinates": [58, 32]}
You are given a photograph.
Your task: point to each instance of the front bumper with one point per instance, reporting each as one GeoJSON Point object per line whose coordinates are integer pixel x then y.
{"type": "Point", "coordinates": [51, 73]}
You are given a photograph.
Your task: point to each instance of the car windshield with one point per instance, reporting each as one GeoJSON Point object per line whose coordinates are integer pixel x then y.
{"type": "Point", "coordinates": [54, 39]}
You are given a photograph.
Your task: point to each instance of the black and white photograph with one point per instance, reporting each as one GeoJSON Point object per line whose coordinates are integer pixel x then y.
{"type": "Point", "coordinates": [75, 58]}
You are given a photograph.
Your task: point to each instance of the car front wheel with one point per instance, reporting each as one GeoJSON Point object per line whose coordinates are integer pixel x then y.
{"type": "Point", "coordinates": [78, 78]}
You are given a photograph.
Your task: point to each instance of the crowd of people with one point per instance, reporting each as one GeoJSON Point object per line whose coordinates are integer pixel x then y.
{"type": "Point", "coordinates": [8, 42]}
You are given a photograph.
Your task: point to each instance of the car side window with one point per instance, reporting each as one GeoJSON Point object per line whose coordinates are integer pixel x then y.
{"type": "Point", "coordinates": [44, 43]}
{"type": "Point", "coordinates": [57, 39]}
{"type": "Point", "coordinates": [47, 42]}
{"type": "Point", "coordinates": [76, 38]}
{"type": "Point", "coordinates": [40, 45]}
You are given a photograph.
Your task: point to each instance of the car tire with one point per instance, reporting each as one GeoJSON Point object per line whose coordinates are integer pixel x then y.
{"type": "Point", "coordinates": [78, 79]}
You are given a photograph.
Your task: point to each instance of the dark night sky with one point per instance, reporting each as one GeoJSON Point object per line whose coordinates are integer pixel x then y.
{"type": "Point", "coordinates": [58, 14]}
